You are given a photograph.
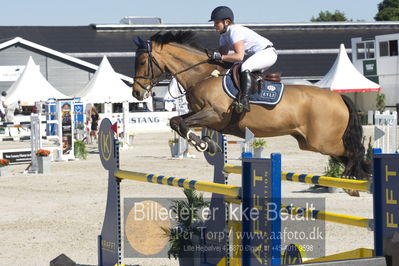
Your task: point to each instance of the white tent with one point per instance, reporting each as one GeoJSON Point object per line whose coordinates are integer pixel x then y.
{"type": "Point", "coordinates": [344, 77]}
{"type": "Point", "coordinates": [107, 87]}
{"type": "Point", "coordinates": [31, 87]}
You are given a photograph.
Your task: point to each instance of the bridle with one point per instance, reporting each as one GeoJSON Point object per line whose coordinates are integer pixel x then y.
{"type": "Point", "coordinates": [150, 67]}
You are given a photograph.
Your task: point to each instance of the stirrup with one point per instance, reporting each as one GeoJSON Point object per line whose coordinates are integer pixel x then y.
{"type": "Point", "coordinates": [240, 107]}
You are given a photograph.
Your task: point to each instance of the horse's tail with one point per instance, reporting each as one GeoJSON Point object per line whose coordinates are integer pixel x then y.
{"type": "Point", "coordinates": [355, 164]}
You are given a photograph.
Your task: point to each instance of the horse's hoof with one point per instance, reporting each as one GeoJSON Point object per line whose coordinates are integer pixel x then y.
{"type": "Point", "coordinates": [193, 139]}
{"type": "Point", "coordinates": [213, 147]}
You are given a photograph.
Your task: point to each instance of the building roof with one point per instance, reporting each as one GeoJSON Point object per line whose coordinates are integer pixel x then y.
{"type": "Point", "coordinates": [55, 53]}
{"type": "Point", "coordinates": [305, 49]}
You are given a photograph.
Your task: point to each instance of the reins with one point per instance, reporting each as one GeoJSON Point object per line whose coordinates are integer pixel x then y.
{"type": "Point", "coordinates": [184, 91]}
{"type": "Point", "coordinates": [190, 67]}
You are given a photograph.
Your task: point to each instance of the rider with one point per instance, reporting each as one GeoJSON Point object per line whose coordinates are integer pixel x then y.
{"type": "Point", "coordinates": [258, 51]}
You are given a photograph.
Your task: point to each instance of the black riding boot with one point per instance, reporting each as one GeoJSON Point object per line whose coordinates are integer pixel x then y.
{"type": "Point", "coordinates": [245, 84]}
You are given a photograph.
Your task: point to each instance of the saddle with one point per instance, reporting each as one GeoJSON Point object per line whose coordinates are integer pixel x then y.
{"type": "Point", "coordinates": [265, 88]}
{"type": "Point", "coordinates": [256, 76]}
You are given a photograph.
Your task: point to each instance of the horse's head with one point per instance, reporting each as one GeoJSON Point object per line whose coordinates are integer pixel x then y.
{"type": "Point", "coordinates": [168, 53]}
{"type": "Point", "coordinates": [148, 70]}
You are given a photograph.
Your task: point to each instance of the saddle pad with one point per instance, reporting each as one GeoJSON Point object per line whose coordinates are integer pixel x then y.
{"type": "Point", "coordinates": [270, 94]}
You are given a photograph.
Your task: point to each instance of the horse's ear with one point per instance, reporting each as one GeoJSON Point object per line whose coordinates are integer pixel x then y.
{"type": "Point", "coordinates": [149, 46]}
{"type": "Point", "coordinates": [140, 43]}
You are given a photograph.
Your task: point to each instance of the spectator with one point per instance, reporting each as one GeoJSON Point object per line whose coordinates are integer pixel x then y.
{"type": "Point", "coordinates": [3, 105]}
{"type": "Point", "coordinates": [10, 111]}
{"type": "Point", "coordinates": [88, 123]}
{"type": "Point", "coordinates": [94, 123]}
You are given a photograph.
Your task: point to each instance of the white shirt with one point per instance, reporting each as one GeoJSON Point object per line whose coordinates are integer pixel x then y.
{"type": "Point", "coordinates": [253, 42]}
{"type": "Point", "coordinates": [10, 110]}
{"type": "Point", "coordinates": [2, 103]}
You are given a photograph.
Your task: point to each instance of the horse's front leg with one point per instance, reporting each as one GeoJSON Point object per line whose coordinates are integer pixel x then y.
{"type": "Point", "coordinates": [203, 118]}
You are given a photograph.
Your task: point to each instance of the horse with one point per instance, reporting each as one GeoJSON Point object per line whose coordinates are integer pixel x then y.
{"type": "Point", "coordinates": [320, 120]}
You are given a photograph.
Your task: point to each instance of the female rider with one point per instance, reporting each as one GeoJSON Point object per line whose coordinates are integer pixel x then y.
{"type": "Point", "coordinates": [244, 42]}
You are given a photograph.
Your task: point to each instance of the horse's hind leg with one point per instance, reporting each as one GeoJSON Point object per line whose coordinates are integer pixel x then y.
{"type": "Point", "coordinates": [203, 118]}
{"type": "Point", "coordinates": [335, 148]}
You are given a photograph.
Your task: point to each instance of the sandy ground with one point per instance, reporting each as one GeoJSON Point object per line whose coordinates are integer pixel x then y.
{"type": "Point", "coordinates": [43, 216]}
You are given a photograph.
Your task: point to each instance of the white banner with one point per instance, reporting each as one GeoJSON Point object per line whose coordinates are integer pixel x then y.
{"type": "Point", "coordinates": [10, 73]}
{"type": "Point", "coordinates": [142, 121]}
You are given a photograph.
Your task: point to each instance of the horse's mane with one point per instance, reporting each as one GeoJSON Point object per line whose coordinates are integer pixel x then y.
{"type": "Point", "coordinates": [181, 37]}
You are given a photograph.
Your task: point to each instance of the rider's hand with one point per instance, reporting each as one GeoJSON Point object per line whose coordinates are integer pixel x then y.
{"type": "Point", "coordinates": [217, 56]}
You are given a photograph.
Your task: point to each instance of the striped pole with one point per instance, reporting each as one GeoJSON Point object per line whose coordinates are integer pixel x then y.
{"type": "Point", "coordinates": [222, 189]}
{"type": "Point", "coordinates": [313, 179]}
{"type": "Point", "coordinates": [326, 181]}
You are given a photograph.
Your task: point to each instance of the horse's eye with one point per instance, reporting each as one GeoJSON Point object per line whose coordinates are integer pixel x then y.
{"type": "Point", "coordinates": [142, 63]}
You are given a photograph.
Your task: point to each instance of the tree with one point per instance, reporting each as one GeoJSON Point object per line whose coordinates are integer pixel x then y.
{"type": "Point", "coordinates": [328, 16]}
{"type": "Point", "coordinates": [388, 10]}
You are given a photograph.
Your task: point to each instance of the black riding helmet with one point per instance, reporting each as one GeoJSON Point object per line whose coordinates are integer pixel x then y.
{"type": "Point", "coordinates": [222, 12]}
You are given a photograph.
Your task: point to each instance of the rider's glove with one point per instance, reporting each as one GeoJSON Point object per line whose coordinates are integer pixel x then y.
{"type": "Point", "coordinates": [216, 56]}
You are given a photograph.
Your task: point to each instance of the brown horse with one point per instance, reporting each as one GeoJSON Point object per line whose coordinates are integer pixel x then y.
{"type": "Point", "coordinates": [320, 120]}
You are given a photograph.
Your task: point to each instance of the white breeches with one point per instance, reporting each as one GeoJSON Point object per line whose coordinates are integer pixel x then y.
{"type": "Point", "coordinates": [261, 60]}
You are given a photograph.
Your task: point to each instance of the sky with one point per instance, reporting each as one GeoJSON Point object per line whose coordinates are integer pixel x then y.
{"type": "Point", "coordinates": [86, 12]}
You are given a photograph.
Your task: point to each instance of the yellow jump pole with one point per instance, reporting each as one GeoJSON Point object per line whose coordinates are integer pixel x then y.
{"type": "Point", "coordinates": [327, 216]}
{"type": "Point", "coordinates": [232, 169]}
{"type": "Point", "coordinates": [222, 189]}
{"type": "Point", "coordinates": [313, 179]}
